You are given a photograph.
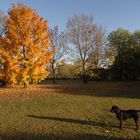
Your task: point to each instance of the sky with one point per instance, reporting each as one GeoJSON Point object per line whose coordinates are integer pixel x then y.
{"type": "Point", "coordinates": [111, 14]}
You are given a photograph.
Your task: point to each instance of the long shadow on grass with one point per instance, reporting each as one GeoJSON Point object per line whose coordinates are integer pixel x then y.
{"type": "Point", "coordinates": [125, 90]}
{"type": "Point", "coordinates": [75, 121]}
{"type": "Point", "coordinates": [123, 93]}
{"type": "Point", "coordinates": [67, 136]}
{"type": "Point", "coordinates": [99, 89]}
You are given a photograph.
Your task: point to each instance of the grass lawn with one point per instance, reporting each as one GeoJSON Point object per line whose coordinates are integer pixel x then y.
{"type": "Point", "coordinates": [67, 111]}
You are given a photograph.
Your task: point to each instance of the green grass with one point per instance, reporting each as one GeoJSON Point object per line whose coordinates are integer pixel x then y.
{"type": "Point", "coordinates": [68, 110]}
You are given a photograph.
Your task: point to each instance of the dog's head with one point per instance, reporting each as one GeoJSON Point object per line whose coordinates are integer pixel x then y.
{"type": "Point", "coordinates": [114, 109]}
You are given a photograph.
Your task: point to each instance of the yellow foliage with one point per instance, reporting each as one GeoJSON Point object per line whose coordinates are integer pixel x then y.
{"type": "Point", "coordinates": [26, 47]}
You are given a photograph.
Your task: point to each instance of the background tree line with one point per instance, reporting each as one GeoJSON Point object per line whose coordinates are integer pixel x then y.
{"type": "Point", "coordinates": [30, 51]}
{"type": "Point", "coordinates": [126, 51]}
{"type": "Point", "coordinates": [98, 56]}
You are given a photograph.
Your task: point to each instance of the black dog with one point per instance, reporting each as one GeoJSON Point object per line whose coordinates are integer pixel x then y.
{"type": "Point", "coordinates": [126, 114]}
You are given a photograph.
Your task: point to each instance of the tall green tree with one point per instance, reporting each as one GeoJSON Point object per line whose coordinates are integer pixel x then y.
{"type": "Point", "coordinates": [136, 50]}
{"type": "Point", "coordinates": [125, 44]}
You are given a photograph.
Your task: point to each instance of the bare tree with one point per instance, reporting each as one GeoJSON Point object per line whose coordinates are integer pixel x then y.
{"type": "Point", "coordinates": [87, 38]}
{"type": "Point", "coordinates": [59, 49]}
{"type": "Point", "coordinates": [3, 19]}
{"type": "Point", "coordinates": [97, 55]}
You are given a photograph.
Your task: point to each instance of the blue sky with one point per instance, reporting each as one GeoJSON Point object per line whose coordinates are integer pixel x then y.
{"type": "Point", "coordinates": [112, 14]}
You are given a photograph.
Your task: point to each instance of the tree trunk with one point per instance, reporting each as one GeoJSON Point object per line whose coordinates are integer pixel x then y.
{"type": "Point", "coordinates": [53, 73]}
{"type": "Point", "coordinates": [24, 66]}
{"type": "Point", "coordinates": [84, 73]}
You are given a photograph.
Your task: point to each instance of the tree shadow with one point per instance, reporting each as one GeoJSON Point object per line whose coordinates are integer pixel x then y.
{"type": "Point", "coordinates": [98, 89]}
{"type": "Point", "coordinates": [65, 136]}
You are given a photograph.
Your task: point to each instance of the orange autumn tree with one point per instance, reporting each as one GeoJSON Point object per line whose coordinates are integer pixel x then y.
{"type": "Point", "coordinates": [25, 47]}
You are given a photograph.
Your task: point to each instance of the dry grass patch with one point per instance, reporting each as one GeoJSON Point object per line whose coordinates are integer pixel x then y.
{"type": "Point", "coordinates": [67, 110]}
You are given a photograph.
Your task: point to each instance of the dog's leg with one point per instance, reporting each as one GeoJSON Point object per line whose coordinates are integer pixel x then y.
{"type": "Point", "coordinates": [137, 126]}
{"type": "Point", "coordinates": [136, 122]}
{"type": "Point", "coordinates": [120, 124]}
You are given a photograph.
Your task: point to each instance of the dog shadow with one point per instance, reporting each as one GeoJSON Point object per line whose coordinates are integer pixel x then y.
{"type": "Point", "coordinates": [75, 121]}
{"type": "Point", "coordinates": [78, 121]}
